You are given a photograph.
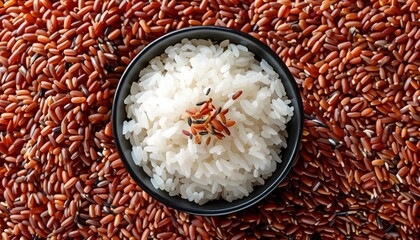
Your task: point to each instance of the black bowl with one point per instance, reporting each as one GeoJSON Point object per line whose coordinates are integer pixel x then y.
{"type": "Point", "coordinates": [217, 34]}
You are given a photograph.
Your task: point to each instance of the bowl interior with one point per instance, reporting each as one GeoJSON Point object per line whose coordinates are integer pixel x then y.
{"type": "Point", "coordinates": [216, 34]}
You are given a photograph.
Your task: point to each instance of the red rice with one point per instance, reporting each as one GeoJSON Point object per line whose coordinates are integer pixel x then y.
{"type": "Point", "coordinates": [357, 68]}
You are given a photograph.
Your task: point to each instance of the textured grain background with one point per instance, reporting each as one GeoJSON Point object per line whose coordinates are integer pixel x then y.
{"type": "Point", "coordinates": [357, 66]}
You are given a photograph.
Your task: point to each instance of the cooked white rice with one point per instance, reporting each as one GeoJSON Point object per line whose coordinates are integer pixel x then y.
{"type": "Point", "coordinates": [177, 80]}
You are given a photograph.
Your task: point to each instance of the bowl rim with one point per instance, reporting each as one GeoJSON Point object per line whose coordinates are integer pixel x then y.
{"type": "Point", "coordinates": [232, 207]}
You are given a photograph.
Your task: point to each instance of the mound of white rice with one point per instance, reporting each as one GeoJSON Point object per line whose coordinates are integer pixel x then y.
{"type": "Point", "coordinates": [176, 81]}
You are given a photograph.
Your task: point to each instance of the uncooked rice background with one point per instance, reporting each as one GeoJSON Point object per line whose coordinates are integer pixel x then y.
{"type": "Point", "coordinates": [357, 67]}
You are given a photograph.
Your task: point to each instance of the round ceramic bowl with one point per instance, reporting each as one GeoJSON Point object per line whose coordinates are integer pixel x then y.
{"type": "Point", "coordinates": [216, 34]}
